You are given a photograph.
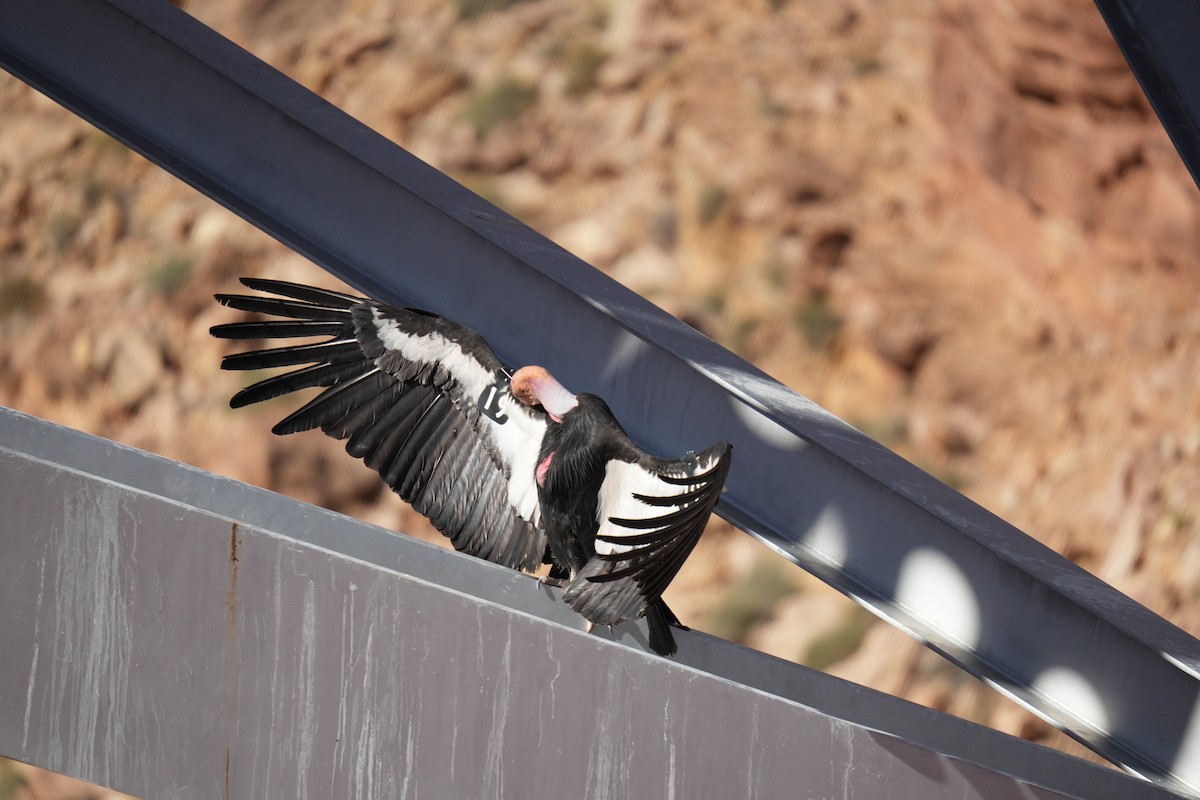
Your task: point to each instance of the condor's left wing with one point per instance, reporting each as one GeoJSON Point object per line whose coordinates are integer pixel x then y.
{"type": "Point", "coordinates": [421, 399]}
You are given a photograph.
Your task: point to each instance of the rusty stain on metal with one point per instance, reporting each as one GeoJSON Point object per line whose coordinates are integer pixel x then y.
{"type": "Point", "coordinates": [231, 614]}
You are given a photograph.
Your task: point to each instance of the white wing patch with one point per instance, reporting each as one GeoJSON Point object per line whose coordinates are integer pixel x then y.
{"type": "Point", "coordinates": [518, 439]}
{"type": "Point", "coordinates": [433, 349]}
{"type": "Point", "coordinates": [622, 481]}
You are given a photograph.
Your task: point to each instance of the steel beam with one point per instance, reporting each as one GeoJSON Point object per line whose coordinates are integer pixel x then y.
{"type": "Point", "coordinates": [171, 633]}
{"type": "Point", "coordinates": [1075, 651]}
{"type": "Point", "coordinates": [1159, 42]}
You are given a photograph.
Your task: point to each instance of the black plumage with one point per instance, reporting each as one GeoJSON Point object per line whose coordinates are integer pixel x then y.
{"type": "Point", "coordinates": [614, 583]}
{"type": "Point", "coordinates": [512, 468]}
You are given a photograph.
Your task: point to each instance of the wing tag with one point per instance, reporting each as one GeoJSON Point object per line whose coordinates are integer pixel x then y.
{"type": "Point", "coordinates": [489, 401]}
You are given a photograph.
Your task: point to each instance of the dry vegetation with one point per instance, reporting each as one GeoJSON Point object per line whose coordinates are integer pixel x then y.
{"type": "Point", "coordinates": [956, 225]}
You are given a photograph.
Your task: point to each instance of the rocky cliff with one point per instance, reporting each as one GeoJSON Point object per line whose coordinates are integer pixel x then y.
{"type": "Point", "coordinates": [957, 225]}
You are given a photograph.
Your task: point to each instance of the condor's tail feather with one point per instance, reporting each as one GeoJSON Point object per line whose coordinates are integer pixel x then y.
{"type": "Point", "coordinates": [660, 618]}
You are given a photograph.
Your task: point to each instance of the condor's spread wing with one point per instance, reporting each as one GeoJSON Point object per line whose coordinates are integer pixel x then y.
{"type": "Point", "coordinates": [652, 513]}
{"type": "Point", "coordinates": [422, 400]}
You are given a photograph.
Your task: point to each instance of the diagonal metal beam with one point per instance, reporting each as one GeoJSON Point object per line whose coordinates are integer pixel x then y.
{"type": "Point", "coordinates": [1075, 651]}
{"type": "Point", "coordinates": [1159, 42]}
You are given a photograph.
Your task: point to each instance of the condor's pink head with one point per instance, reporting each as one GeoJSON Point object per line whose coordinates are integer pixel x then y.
{"type": "Point", "coordinates": [535, 386]}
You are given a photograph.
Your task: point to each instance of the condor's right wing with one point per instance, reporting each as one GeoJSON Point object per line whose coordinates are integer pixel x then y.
{"type": "Point", "coordinates": [651, 514]}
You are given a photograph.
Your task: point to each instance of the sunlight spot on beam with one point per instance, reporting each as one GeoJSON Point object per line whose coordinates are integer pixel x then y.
{"type": "Point", "coordinates": [766, 430]}
{"type": "Point", "coordinates": [932, 586]}
{"type": "Point", "coordinates": [1075, 693]}
{"type": "Point", "coordinates": [828, 537]}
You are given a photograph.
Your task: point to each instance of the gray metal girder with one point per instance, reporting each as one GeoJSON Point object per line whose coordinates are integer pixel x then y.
{"type": "Point", "coordinates": [1159, 42]}
{"type": "Point", "coordinates": [1038, 628]}
{"type": "Point", "coordinates": [171, 633]}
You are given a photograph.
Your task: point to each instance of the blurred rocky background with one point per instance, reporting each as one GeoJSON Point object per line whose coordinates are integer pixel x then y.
{"type": "Point", "coordinates": [956, 225]}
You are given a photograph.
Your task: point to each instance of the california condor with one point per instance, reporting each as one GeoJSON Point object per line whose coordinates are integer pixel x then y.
{"type": "Point", "coordinates": [511, 467]}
